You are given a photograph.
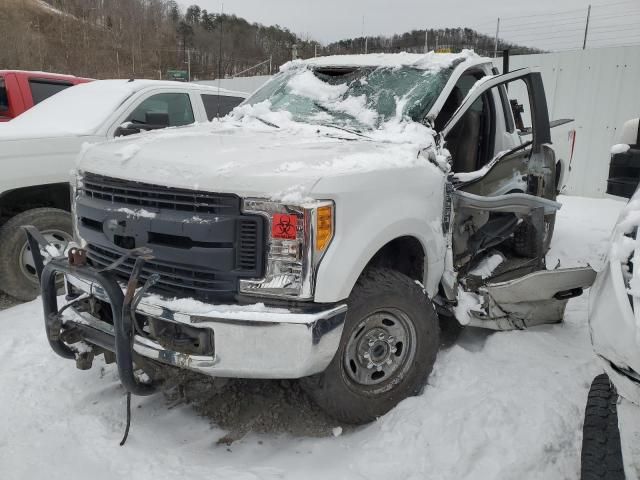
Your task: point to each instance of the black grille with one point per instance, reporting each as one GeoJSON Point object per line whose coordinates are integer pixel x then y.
{"type": "Point", "coordinates": [202, 243]}
{"type": "Point", "coordinates": [140, 194]}
{"type": "Point", "coordinates": [246, 258]}
{"type": "Point", "coordinates": [177, 280]}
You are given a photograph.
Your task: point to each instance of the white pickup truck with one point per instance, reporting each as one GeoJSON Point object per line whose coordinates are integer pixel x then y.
{"type": "Point", "coordinates": [318, 232]}
{"type": "Point", "coordinates": [39, 148]}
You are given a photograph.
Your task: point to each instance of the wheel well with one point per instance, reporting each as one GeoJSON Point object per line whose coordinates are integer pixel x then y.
{"type": "Point", "coordinates": [403, 254]}
{"type": "Point", "coordinates": [55, 195]}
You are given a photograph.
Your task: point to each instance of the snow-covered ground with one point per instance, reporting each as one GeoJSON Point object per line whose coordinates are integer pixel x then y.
{"type": "Point", "coordinates": [498, 406]}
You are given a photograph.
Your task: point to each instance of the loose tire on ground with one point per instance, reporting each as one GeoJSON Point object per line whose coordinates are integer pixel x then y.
{"type": "Point", "coordinates": [382, 305]}
{"type": "Point", "coordinates": [601, 451]}
{"type": "Point", "coordinates": [12, 241]}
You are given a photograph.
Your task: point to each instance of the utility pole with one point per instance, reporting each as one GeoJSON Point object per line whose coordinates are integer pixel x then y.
{"type": "Point", "coordinates": [495, 48]}
{"type": "Point", "coordinates": [189, 65]}
{"type": "Point", "coordinates": [426, 41]}
{"type": "Point", "coordinates": [586, 28]}
{"type": "Point", "coordinates": [366, 45]}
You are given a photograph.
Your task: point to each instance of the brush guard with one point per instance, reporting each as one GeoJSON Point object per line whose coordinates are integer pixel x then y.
{"type": "Point", "coordinates": [122, 305]}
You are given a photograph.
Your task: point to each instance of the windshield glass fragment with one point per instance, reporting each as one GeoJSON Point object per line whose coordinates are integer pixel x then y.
{"type": "Point", "coordinates": [360, 98]}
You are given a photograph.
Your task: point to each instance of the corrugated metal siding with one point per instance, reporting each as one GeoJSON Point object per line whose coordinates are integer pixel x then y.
{"type": "Point", "coordinates": [239, 84]}
{"type": "Point", "coordinates": [600, 89]}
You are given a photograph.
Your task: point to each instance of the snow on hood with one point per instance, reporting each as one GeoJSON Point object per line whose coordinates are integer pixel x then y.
{"type": "Point", "coordinates": [262, 151]}
{"type": "Point", "coordinates": [248, 157]}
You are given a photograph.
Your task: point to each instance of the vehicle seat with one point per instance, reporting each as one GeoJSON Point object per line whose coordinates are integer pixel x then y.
{"type": "Point", "coordinates": [462, 143]}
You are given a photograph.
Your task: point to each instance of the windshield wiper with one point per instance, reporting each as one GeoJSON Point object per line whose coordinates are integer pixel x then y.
{"type": "Point", "coordinates": [352, 131]}
{"type": "Point", "coordinates": [266, 122]}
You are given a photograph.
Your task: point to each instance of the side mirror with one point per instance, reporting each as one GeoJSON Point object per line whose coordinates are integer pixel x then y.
{"type": "Point", "coordinates": [152, 121]}
{"type": "Point", "coordinates": [127, 128]}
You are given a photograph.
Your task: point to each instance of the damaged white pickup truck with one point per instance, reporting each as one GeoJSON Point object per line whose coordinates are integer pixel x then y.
{"type": "Point", "coordinates": [318, 232]}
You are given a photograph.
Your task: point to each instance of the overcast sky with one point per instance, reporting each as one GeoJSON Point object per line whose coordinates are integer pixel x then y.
{"type": "Point", "coordinates": [545, 22]}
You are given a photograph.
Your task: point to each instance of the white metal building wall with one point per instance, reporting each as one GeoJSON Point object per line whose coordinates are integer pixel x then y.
{"type": "Point", "coordinates": [600, 89]}
{"type": "Point", "coordinates": [238, 84]}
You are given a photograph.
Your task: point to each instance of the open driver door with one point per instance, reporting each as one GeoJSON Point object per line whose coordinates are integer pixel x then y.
{"type": "Point", "coordinates": [499, 219]}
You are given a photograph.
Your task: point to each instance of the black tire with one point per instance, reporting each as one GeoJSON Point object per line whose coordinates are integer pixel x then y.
{"type": "Point", "coordinates": [601, 451]}
{"type": "Point", "coordinates": [12, 240]}
{"type": "Point", "coordinates": [524, 238]}
{"type": "Point", "coordinates": [378, 292]}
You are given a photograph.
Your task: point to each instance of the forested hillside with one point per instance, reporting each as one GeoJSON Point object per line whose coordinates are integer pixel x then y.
{"type": "Point", "coordinates": [146, 38]}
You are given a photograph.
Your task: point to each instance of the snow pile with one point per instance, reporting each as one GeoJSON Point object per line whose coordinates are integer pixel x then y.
{"type": "Point", "coordinates": [257, 311]}
{"type": "Point", "coordinates": [127, 152]}
{"type": "Point", "coordinates": [306, 84]}
{"type": "Point", "coordinates": [487, 266]}
{"type": "Point", "coordinates": [506, 405]}
{"type": "Point", "coordinates": [295, 195]}
{"type": "Point", "coordinates": [138, 213]}
{"type": "Point", "coordinates": [620, 148]}
{"type": "Point", "coordinates": [430, 61]}
{"type": "Point", "coordinates": [467, 302]}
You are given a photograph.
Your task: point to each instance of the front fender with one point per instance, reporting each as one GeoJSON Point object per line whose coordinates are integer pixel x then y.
{"type": "Point", "coordinates": [374, 209]}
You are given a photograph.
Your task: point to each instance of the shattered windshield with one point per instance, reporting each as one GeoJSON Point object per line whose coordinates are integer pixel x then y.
{"type": "Point", "coordinates": [358, 98]}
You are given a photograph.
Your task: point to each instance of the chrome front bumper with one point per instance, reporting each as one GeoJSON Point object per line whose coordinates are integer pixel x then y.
{"type": "Point", "coordinates": [250, 341]}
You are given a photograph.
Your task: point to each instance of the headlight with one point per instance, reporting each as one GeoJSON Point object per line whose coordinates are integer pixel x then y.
{"type": "Point", "coordinates": [299, 235]}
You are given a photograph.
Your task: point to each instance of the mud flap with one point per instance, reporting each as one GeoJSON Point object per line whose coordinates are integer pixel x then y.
{"type": "Point", "coordinates": [534, 299]}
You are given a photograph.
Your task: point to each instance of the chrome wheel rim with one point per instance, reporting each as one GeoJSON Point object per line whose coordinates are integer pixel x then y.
{"type": "Point", "coordinates": [381, 348]}
{"type": "Point", "coordinates": [59, 239]}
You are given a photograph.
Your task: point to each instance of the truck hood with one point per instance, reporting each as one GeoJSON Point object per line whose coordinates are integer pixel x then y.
{"type": "Point", "coordinates": [282, 164]}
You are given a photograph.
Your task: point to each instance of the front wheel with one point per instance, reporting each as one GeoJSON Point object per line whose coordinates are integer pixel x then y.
{"type": "Point", "coordinates": [18, 275]}
{"type": "Point", "coordinates": [387, 351]}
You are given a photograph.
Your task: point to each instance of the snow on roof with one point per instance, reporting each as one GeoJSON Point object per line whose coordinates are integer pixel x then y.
{"type": "Point", "coordinates": [426, 61]}
{"type": "Point", "coordinates": [37, 72]}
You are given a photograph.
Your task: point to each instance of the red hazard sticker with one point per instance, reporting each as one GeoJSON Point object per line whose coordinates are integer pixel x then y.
{"type": "Point", "coordinates": [284, 226]}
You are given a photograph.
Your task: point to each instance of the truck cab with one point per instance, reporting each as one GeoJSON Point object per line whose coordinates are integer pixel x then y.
{"type": "Point", "coordinates": [320, 232]}
{"type": "Point", "coordinates": [21, 90]}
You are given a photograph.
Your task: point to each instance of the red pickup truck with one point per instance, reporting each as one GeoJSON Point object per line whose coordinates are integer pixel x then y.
{"type": "Point", "coordinates": [20, 90]}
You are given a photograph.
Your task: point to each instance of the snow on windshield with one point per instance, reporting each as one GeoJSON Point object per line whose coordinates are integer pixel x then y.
{"type": "Point", "coordinates": [359, 92]}
{"type": "Point", "coordinates": [78, 110]}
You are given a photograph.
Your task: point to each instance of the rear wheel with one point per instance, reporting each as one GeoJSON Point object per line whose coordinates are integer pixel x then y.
{"type": "Point", "coordinates": [389, 345]}
{"type": "Point", "coordinates": [18, 275]}
{"type": "Point", "coordinates": [601, 450]}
